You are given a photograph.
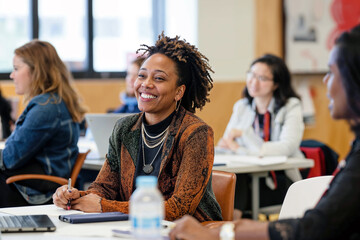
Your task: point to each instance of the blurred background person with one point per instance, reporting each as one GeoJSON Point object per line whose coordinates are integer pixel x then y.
{"type": "Point", "coordinates": [267, 121]}
{"type": "Point", "coordinates": [127, 98]}
{"type": "Point", "coordinates": [46, 134]}
{"type": "Point", "coordinates": [337, 214]}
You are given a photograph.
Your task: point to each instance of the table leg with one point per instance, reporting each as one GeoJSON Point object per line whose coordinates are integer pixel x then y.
{"type": "Point", "coordinates": [255, 193]}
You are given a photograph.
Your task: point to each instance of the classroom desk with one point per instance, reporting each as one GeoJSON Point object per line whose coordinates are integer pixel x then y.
{"type": "Point", "coordinates": [256, 172]}
{"type": "Point", "coordinates": [101, 230]}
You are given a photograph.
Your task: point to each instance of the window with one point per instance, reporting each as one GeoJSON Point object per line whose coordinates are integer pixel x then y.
{"type": "Point", "coordinates": [95, 38]}
{"type": "Point", "coordinates": [120, 26]}
{"type": "Point", "coordinates": [15, 30]}
{"type": "Point", "coordinates": [63, 24]}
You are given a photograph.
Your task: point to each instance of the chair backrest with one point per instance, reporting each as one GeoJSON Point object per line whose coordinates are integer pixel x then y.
{"type": "Point", "coordinates": [325, 159]}
{"type": "Point", "coordinates": [77, 166]}
{"type": "Point", "coordinates": [223, 184]}
{"type": "Point", "coordinates": [303, 195]}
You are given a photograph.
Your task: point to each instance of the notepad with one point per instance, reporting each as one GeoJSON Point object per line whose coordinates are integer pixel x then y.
{"type": "Point", "coordinates": [233, 160]}
{"type": "Point", "coordinates": [94, 217]}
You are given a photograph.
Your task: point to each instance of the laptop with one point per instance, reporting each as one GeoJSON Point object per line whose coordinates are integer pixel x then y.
{"type": "Point", "coordinates": [26, 223]}
{"type": "Point", "coordinates": [101, 126]}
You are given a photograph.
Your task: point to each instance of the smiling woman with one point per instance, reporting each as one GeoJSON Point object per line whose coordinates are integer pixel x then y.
{"type": "Point", "coordinates": [172, 83]}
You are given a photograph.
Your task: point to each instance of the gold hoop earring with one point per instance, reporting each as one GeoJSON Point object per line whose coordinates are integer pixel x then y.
{"type": "Point", "coordinates": [178, 103]}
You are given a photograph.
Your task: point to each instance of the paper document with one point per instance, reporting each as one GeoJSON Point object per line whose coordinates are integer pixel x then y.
{"type": "Point", "coordinates": [50, 210]}
{"type": "Point", "coordinates": [233, 160]}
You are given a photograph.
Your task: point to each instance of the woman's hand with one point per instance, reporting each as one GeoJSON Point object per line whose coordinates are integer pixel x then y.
{"type": "Point", "coordinates": [234, 133]}
{"type": "Point", "coordinates": [87, 203]}
{"type": "Point", "coordinates": [62, 196]}
{"type": "Point", "coordinates": [222, 143]}
{"type": "Point", "coordinates": [188, 228]}
{"type": "Point", "coordinates": [229, 142]}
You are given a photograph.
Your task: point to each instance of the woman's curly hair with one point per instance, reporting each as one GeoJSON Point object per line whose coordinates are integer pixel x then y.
{"type": "Point", "coordinates": [192, 68]}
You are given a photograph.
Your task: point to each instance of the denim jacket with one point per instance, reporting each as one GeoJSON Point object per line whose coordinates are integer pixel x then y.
{"type": "Point", "coordinates": [46, 133]}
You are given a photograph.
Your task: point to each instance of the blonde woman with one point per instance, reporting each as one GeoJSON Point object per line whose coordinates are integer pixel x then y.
{"type": "Point", "coordinates": [45, 137]}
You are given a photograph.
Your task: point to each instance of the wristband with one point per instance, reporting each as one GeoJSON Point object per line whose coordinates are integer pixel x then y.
{"type": "Point", "coordinates": [227, 231]}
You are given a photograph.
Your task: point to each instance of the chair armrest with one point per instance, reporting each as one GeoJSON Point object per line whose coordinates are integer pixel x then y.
{"type": "Point", "coordinates": [59, 180]}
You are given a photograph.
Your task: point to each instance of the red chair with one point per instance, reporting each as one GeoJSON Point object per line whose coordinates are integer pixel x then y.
{"type": "Point", "coordinates": [325, 159]}
{"type": "Point", "coordinates": [319, 160]}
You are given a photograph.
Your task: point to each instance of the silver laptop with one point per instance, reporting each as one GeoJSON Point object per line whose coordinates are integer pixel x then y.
{"type": "Point", "coordinates": [26, 223]}
{"type": "Point", "coordinates": [101, 126]}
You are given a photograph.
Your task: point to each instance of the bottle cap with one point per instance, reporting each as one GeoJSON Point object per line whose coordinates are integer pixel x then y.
{"type": "Point", "coordinates": [146, 181]}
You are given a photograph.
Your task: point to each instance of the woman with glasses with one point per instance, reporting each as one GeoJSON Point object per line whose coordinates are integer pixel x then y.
{"type": "Point", "coordinates": [268, 121]}
{"type": "Point", "coordinates": [337, 214]}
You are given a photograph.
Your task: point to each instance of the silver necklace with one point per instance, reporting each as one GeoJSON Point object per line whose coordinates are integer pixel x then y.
{"type": "Point", "coordinates": [154, 141]}
{"type": "Point", "coordinates": [148, 168]}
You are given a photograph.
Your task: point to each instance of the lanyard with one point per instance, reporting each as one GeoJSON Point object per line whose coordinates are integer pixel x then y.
{"type": "Point", "coordinates": [265, 133]}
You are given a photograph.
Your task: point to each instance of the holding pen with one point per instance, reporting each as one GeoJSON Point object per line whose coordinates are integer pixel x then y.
{"type": "Point", "coordinates": [68, 205]}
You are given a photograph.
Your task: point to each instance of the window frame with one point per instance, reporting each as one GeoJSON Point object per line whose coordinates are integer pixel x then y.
{"type": "Point", "coordinates": [158, 9]}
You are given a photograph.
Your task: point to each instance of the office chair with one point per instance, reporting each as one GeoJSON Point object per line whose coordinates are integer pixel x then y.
{"type": "Point", "coordinates": [62, 181]}
{"type": "Point", "coordinates": [303, 195]}
{"type": "Point", "coordinates": [325, 158]}
{"type": "Point", "coordinates": [223, 184]}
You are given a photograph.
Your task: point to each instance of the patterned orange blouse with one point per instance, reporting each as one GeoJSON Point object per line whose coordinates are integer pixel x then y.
{"type": "Point", "coordinates": [185, 172]}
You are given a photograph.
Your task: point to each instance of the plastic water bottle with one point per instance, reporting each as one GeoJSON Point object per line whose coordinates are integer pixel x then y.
{"type": "Point", "coordinates": [146, 209]}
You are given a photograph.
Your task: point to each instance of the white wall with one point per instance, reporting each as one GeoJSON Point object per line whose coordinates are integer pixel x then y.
{"type": "Point", "coordinates": [226, 35]}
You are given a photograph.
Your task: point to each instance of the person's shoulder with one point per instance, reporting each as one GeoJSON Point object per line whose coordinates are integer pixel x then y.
{"type": "Point", "coordinates": [192, 121]}
{"type": "Point", "coordinates": [242, 105]}
{"type": "Point", "coordinates": [242, 102]}
{"type": "Point", "coordinates": [127, 122]}
{"type": "Point", "coordinates": [47, 102]}
{"type": "Point", "coordinates": [293, 101]}
{"type": "Point", "coordinates": [192, 118]}
{"type": "Point", "coordinates": [45, 99]}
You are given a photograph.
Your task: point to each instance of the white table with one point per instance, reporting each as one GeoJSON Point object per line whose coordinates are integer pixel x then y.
{"type": "Point", "coordinates": [100, 230]}
{"type": "Point", "coordinates": [256, 172]}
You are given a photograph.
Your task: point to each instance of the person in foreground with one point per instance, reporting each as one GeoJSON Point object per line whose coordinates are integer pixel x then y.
{"type": "Point", "coordinates": [267, 121]}
{"type": "Point", "coordinates": [46, 133]}
{"type": "Point", "coordinates": [128, 98]}
{"type": "Point", "coordinates": [337, 214]}
{"type": "Point", "coordinates": [166, 140]}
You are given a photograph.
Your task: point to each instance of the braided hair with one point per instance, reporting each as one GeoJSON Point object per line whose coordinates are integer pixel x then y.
{"type": "Point", "coordinates": [192, 69]}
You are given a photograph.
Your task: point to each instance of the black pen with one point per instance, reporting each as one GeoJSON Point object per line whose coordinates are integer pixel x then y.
{"type": "Point", "coordinates": [68, 205]}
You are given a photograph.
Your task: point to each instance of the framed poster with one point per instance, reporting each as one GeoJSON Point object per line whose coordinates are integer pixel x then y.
{"type": "Point", "coordinates": [311, 27]}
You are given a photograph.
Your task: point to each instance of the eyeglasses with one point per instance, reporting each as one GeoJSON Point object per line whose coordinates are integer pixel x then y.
{"type": "Point", "coordinates": [251, 75]}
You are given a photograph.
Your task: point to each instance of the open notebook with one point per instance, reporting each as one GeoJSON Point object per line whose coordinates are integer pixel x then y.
{"type": "Point", "coordinates": [26, 223]}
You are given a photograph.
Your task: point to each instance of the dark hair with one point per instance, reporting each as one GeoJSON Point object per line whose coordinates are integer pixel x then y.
{"type": "Point", "coordinates": [281, 77]}
{"type": "Point", "coordinates": [348, 62]}
{"type": "Point", "coordinates": [192, 68]}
